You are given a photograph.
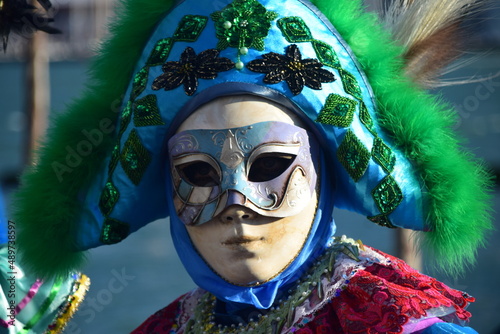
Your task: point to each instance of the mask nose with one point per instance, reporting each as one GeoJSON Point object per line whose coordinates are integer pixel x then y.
{"type": "Point", "coordinates": [237, 214]}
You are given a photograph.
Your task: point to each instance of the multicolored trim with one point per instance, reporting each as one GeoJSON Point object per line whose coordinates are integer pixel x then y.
{"type": "Point", "coordinates": [44, 307]}
{"type": "Point", "coordinates": [66, 311]}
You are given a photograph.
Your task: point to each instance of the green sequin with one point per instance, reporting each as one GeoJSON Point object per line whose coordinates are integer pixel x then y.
{"type": "Point", "coordinates": [383, 155]}
{"type": "Point", "coordinates": [146, 112]}
{"type": "Point", "coordinates": [295, 29]}
{"type": "Point", "coordinates": [114, 231]}
{"type": "Point", "coordinates": [160, 52]}
{"type": "Point", "coordinates": [353, 155]}
{"type": "Point", "coordinates": [350, 84]}
{"type": "Point", "coordinates": [365, 118]}
{"type": "Point", "coordinates": [382, 220]}
{"type": "Point", "coordinates": [243, 23]}
{"type": "Point", "coordinates": [140, 81]}
{"type": "Point", "coordinates": [326, 54]}
{"type": "Point", "coordinates": [135, 158]}
{"type": "Point", "coordinates": [125, 119]}
{"type": "Point", "coordinates": [115, 157]}
{"type": "Point", "coordinates": [337, 111]}
{"type": "Point", "coordinates": [109, 198]}
{"type": "Point", "coordinates": [190, 28]}
{"type": "Point", "coordinates": [387, 195]}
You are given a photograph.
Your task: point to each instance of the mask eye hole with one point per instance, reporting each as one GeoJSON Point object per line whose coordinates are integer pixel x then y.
{"type": "Point", "coordinates": [199, 174]}
{"type": "Point", "coordinates": [269, 166]}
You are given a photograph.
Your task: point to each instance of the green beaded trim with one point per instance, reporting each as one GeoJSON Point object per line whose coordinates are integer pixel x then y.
{"type": "Point", "coordinates": [243, 23]}
{"type": "Point", "coordinates": [114, 231]}
{"type": "Point", "coordinates": [115, 157]}
{"type": "Point", "coordinates": [353, 155]}
{"type": "Point", "coordinates": [350, 84]}
{"type": "Point", "coordinates": [190, 28]}
{"type": "Point", "coordinates": [146, 112]}
{"type": "Point", "coordinates": [366, 119]}
{"type": "Point", "coordinates": [383, 155]}
{"type": "Point", "coordinates": [135, 158]}
{"type": "Point", "coordinates": [160, 52]}
{"type": "Point", "coordinates": [140, 81]}
{"type": "Point", "coordinates": [382, 220]}
{"type": "Point", "coordinates": [337, 111]}
{"type": "Point", "coordinates": [109, 198]}
{"type": "Point", "coordinates": [326, 54]}
{"type": "Point", "coordinates": [125, 119]}
{"type": "Point", "coordinates": [387, 195]}
{"type": "Point", "coordinates": [295, 29]}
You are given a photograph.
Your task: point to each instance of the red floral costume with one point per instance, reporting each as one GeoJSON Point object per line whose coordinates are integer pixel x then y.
{"type": "Point", "coordinates": [369, 292]}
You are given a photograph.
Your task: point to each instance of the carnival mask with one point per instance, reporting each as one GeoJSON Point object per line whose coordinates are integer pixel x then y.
{"type": "Point", "coordinates": [267, 167]}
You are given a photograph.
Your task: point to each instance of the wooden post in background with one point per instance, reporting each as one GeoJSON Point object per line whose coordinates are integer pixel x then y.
{"type": "Point", "coordinates": [38, 91]}
{"type": "Point", "coordinates": [407, 248]}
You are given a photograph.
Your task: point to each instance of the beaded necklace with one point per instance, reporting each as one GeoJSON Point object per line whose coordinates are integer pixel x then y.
{"type": "Point", "coordinates": [283, 314]}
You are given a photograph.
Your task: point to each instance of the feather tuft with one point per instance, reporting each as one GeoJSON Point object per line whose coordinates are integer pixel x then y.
{"type": "Point", "coordinates": [431, 33]}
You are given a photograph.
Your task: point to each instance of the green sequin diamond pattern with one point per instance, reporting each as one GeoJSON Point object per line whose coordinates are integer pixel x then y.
{"type": "Point", "coordinates": [365, 118]}
{"type": "Point", "coordinates": [387, 195]}
{"type": "Point", "coordinates": [337, 111]}
{"type": "Point", "coordinates": [190, 28]}
{"type": "Point", "coordinates": [115, 157]}
{"type": "Point", "coordinates": [350, 84]}
{"type": "Point", "coordinates": [326, 54]}
{"type": "Point", "coordinates": [140, 81]}
{"type": "Point", "coordinates": [160, 52]}
{"type": "Point", "coordinates": [135, 158]}
{"type": "Point", "coordinates": [146, 112]}
{"type": "Point", "coordinates": [114, 231]}
{"type": "Point", "coordinates": [383, 155]}
{"type": "Point", "coordinates": [353, 155]}
{"type": "Point", "coordinates": [109, 198]}
{"type": "Point", "coordinates": [243, 23]}
{"type": "Point", "coordinates": [126, 116]}
{"type": "Point", "coordinates": [295, 29]}
{"type": "Point", "coordinates": [381, 220]}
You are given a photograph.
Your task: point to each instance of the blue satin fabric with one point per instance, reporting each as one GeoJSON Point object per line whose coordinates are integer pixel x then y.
{"type": "Point", "coordinates": [448, 328]}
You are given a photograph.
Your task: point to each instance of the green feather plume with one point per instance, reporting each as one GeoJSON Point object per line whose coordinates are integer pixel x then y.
{"type": "Point", "coordinates": [421, 124]}
{"type": "Point", "coordinates": [47, 206]}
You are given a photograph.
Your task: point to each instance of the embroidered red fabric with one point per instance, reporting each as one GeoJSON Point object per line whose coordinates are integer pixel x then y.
{"type": "Point", "coordinates": [162, 322]}
{"type": "Point", "coordinates": [379, 299]}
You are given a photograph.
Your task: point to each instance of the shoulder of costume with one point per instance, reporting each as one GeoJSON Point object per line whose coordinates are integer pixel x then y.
{"type": "Point", "coordinates": [347, 273]}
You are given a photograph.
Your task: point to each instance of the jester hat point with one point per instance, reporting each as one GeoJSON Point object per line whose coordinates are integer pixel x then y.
{"type": "Point", "coordinates": [388, 145]}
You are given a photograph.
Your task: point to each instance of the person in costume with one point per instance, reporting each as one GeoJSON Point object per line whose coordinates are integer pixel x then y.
{"type": "Point", "coordinates": [246, 122]}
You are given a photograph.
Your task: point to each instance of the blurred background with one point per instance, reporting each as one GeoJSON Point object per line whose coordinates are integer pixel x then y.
{"type": "Point", "coordinates": [146, 266]}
